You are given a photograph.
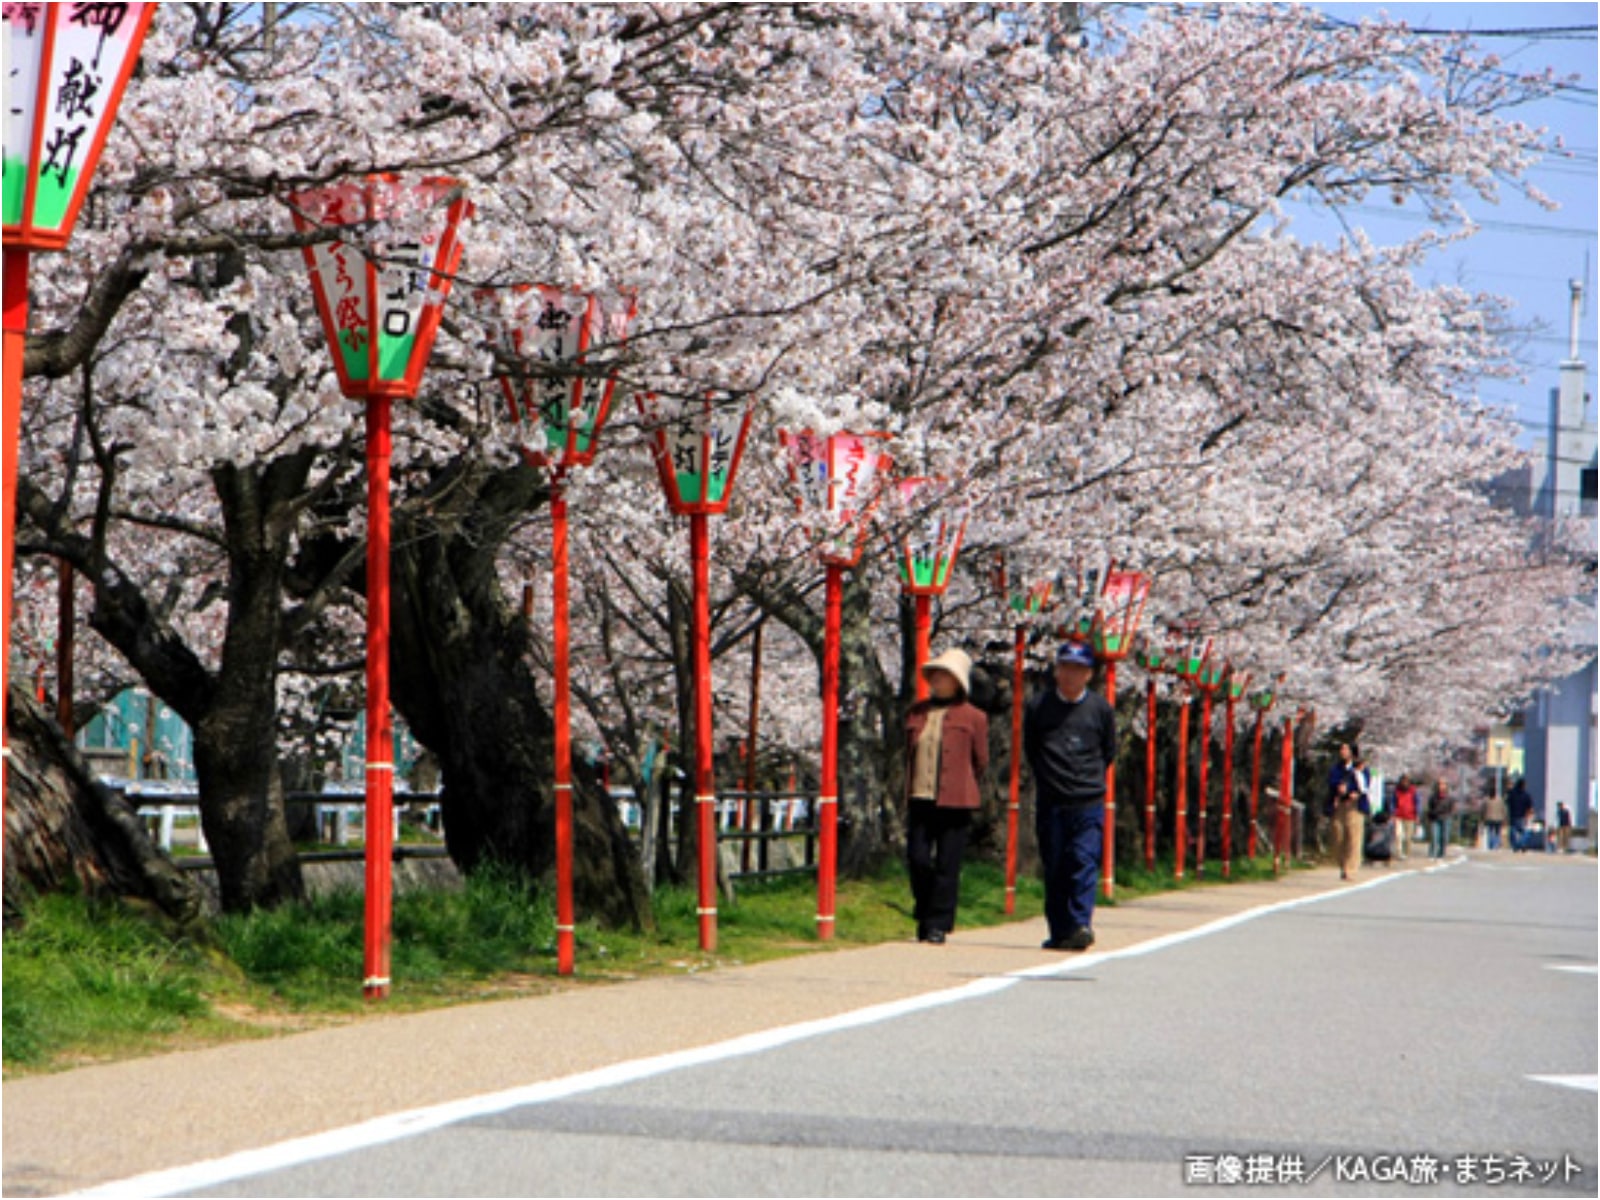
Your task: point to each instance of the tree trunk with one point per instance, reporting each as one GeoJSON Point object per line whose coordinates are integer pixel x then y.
{"type": "Point", "coordinates": [459, 670]}
{"type": "Point", "coordinates": [61, 825]}
{"type": "Point", "coordinates": [235, 739]}
{"type": "Point", "coordinates": [871, 742]}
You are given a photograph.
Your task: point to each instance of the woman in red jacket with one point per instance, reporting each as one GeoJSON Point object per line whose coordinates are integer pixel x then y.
{"type": "Point", "coordinates": [947, 751]}
{"type": "Point", "coordinates": [1405, 814]}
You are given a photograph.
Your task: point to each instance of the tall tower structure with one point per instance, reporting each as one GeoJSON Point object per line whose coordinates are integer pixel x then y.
{"type": "Point", "coordinates": [1559, 726]}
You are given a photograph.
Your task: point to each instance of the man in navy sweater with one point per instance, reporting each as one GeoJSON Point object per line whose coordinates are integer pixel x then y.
{"type": "Point", "coordinates": [1070, 737]}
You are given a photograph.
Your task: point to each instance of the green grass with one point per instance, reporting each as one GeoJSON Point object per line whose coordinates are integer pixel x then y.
{"type": "Point", "coordinates": [86, 982]}
{"type": "Point", "coordinates": [81, 975]}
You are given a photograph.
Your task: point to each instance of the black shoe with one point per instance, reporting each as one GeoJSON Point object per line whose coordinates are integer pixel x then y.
{"type": "Point", "coordinates": [935, 937]}
{"type": "Point", "coordinates": [1080, 938]}
{"type": "Point", "coordinates": [1053, 944]}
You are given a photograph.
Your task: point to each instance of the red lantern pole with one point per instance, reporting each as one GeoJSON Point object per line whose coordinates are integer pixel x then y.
{"type": "Point", "coordinates": [380, 748]}
{"type": "Point", "coordinates": [566, 947]}
{"type": "Point", "coordinates": [828, 797]}
{"type": "Point", "coordinates": [1255, 783]}
{"type": "Point", "coordinates": [1285, 797]}
{"type": "Point", "coordinates": [705, 787]}
{"type": "Point", "coordinates": [1014, 804]}
{"type": "Point", "coordinates": [1181, 834]}
{"type": "Point", "coordinates": [1108, 847]}
{"type": "Point", "coordinates": [924, 611]}
{"type": "Point", "coordinates": [748, 807]}
{"type": "Point", "coordinates": [1227, 789]}
{"type": "Point", "coordinates": [1205, 774]}
{"type": "Point", "coordinates": [1150, 775]}
{"type": "Point", "coordinates": [16, 335]}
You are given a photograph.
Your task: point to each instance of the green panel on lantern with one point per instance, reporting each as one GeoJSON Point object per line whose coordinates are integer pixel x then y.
{"type": "Point", "coordinates": [51, 198]}
{"type": "Point", "coordinates": [16, 171]}
{"type": "Point", "coordinates": [401, 286]}
{"type": "Point", "coordinates": [1262, 700]}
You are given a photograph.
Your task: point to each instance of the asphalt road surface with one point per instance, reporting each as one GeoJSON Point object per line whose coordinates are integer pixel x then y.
{"type": "Point", "coordinates": [1388, 1025]}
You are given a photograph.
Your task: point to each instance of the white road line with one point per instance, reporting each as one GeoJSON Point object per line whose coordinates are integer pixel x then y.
{"type": "Point", "coordinates": [1584, 1083]}
{"type": "Point", "coordinates": [395, 1126]}
{"type": "Point", "coordinates": [1591, 969]}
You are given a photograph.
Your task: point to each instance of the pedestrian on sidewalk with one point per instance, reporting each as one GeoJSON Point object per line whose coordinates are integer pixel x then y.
{"type": "Point", "coordinates": [1405, 815]}
{"type": "Point", "coordinates": [1563, 827]}
{"type": "Point", "coordinates": [1346, 801]}
{"type": "Point", "coordinates": [947, 752]}
{"type": "Point", "coordinates": [1069, 735]}
{"type": "Point", "coordinates": [1519, 808]}
{"type": "Point", "coordinates": [1437, 813]}
{"type": "Point", "coordinates": [1494, 819]}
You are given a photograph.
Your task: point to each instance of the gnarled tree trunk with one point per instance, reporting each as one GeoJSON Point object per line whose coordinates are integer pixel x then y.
{"type": "Point", "coordinates": [460, 675]}
{"type": "Point", "coordinates": [62, 827]}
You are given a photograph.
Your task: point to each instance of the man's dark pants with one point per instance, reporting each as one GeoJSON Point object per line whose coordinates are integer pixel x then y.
{"type": "Point", "coordinates": [1071, 843]}
{"type": "Point", "coordinates": [936, 838]}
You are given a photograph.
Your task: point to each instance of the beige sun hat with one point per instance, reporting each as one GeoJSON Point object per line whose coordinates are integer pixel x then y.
{"type": "Point", "coordinates": [957, 663]}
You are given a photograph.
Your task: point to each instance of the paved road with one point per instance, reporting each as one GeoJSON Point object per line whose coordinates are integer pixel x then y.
{"type": "Point", "coordinates": [1404, 1018]}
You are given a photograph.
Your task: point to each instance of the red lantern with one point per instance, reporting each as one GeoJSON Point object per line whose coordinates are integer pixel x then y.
{"type": "Point", "coordinates": [559, 419]}
{"type": "Point", "coordinates": [68, 65]}
{"type": "Point", "coordinates": [838, 482]}
{"type": "Point", "coordinates": [697, 451]}
{"type": "Point", "coordinates": [932, 540]}
{"type": "Point", "coordinates": [380, 305]}
{"type": "Point", "coordinates": [839, 479]}
{"type": "Point", "coordinates": [927, 554]}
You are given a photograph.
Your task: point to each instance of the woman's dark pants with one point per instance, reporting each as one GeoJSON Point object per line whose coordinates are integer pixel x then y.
{"type": "Point", "coordinates": [935, 840]}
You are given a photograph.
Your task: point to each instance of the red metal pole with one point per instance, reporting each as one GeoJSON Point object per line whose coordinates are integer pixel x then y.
{"type": "Point", "coordinates": [1285, 799]}
{"type": "Point", "coordinates": [16, 336]}
{"type": "Point", "coordinates": [1227, 790]}
{"type": "Point", "coordinates": [1108, 861]}
{"type": "Point", "coordinates": [924, 608]}
{"type": "Point", "coordinates": [1150, 776]}
{"type": "Point", "coordinates": [66, 622]}
{"type": "Point", "coordinates": [1181, 834]}
{"type": "Point", "coordinates": [748, 807]}
{"type": "Point", "coordinates": [828, 792]}
{"type": "Point", "coordinates": [1255, 783]}
{"type": "Point", "coordinates": [1205, 772]}
{"type": "Point", "coordinates": [566, 948]}
{"type": "Point", "coordinates": [380, 751]}
{"type": "Point", "coordinates": [1014, 805]}
{"type": "Point", "coordinates": [705, 787]}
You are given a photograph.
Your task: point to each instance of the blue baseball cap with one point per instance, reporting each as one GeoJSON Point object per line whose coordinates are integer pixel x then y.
{"type": "Point", "coordinates": [1076, 653]}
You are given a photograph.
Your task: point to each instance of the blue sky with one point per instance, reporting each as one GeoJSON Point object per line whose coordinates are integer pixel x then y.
{"type": "Point", "coordinates": [1522, 252]}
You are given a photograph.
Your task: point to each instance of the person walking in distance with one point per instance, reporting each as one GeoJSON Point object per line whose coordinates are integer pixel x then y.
{"type": "Point", "coordinates": [1405, 814]}
{"type": "Point", "coordinates": [1438, 816]}
{"type": "Point", "coordinates": [947, 752]}
{"type": "Point", "coordinates": [1345, 802]}
{"type": "Point", "coordinates": [1563, 827]}
{"type": "Point", "coordinates": [1494, 819]}
{"type": "Point", "coordinates": [1519, 808]}
{"type": "Point", "coordinates": [1069, 736]}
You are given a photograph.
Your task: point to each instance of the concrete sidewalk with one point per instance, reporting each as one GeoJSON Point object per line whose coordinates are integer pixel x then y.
{"type": "Point", "coordinates": [102, 1123]}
